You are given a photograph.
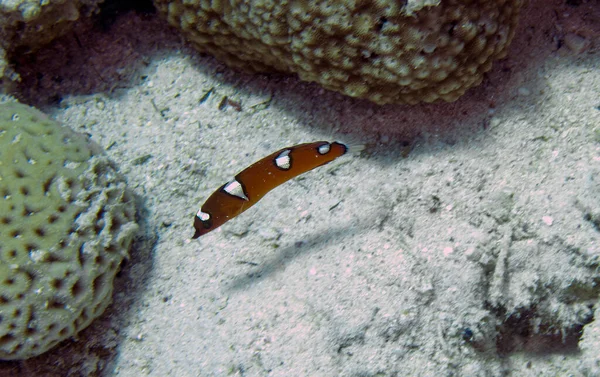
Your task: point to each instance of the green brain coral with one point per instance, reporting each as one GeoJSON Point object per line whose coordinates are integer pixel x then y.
{"type": "Point", "coordinates": [387, 51]}
{"type": "Point", "coordinates": [66, 223]}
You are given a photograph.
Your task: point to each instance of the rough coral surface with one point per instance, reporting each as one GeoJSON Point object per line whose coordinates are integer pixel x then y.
{"type": "Point", "coordinates": [66, 223]}
{"type": "Point", "coordinates": [32, 23]}
{"type": "Point", "coordinates": [384, 50]}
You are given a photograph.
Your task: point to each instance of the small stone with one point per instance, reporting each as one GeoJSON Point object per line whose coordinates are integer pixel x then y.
{"type": "Point", "coordinates": [524, 91]}
{"type": "Point", "coordinates": [548, 220]}
{"type": "Point", "coordinates": [576, 43]}
{"type": "Point", "coordinates": [447, 251]}
{"type": "Point", "coordinates": [472, 253]}
{"type": "Point", "coordinates": [494, 122]}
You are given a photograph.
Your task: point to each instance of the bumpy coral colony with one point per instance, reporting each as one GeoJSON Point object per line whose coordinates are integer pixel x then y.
{"type": "Point", "coordinates": [33, 23]}
{"type": "Point", "coordinates": [66, 223]}
{"type": "Point", "coordinates": [28, 24]}
{"type": "Point", "coordinates": [387, 51]}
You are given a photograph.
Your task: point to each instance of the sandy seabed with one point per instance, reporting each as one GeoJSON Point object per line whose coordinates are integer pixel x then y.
{"type": "Point", "coordinates": [463, 241]}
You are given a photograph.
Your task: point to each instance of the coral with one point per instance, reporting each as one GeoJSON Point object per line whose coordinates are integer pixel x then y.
{"type": "Point", "coordinates": [384, 50]}
{"type": "Point", "coordinates": [29, 24]}
{"type": "Point", "coordinates": [66, 223]}
{"type": "Point", "coordinates": [33, 23]}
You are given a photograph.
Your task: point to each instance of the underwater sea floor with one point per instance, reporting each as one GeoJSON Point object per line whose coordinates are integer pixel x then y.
{"type": "Point", "coordinates": [463, 241]}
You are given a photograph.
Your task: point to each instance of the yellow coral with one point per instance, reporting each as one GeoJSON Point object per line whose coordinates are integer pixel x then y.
{"type": "Point", "coordinates": [421, 51]}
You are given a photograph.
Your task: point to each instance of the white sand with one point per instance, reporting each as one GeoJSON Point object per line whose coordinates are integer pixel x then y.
{"type": "Point", "coordinates": [460, 243]}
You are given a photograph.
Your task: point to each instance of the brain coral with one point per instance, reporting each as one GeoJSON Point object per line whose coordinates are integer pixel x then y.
{"type": "Point", "coordinates": [387, 51]}
{"type": "Point", "coordinates": [66, 223]}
